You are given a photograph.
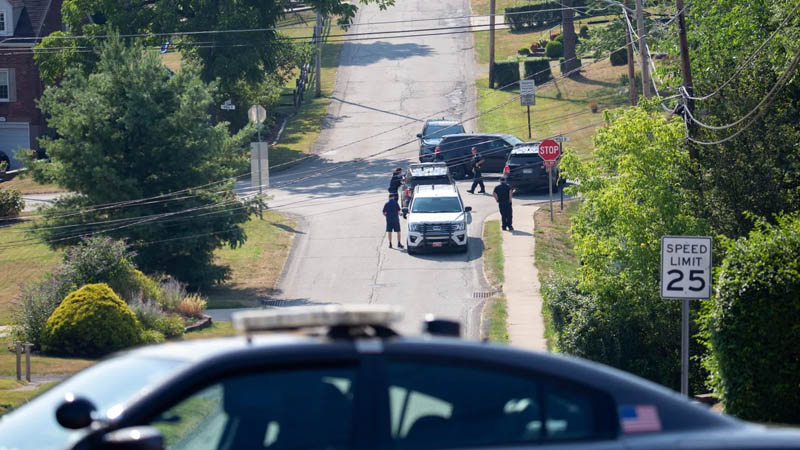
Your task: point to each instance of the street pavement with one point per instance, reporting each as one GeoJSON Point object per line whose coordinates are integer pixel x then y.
{"type": "Point", "coordinates": [340, 254]}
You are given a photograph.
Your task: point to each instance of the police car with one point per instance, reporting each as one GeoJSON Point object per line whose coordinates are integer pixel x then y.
{"type": "Point", "coordinates": [423, 173]}
{"type": "Point", "coordinates": [339, 377]}
{"type": "Point", "coordinates": [525, 170]}
{"type": "Point", "coordinates": [437, 219]}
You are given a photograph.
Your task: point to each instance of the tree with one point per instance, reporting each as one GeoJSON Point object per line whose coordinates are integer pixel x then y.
{"type": "Point", "coordinates": [132, 130]}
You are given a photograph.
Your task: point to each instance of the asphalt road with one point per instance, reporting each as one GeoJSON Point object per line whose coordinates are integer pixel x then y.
{"type": "Point", "coordinates": [340, 253]}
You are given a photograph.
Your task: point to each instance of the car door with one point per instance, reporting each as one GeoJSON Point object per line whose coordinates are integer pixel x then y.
{"type": "Point", "coordinates": [496, 154]}
{"type": "Point", "coordinates": [435, 401]}
{"type": "Point", "coordinates": [299, 403]}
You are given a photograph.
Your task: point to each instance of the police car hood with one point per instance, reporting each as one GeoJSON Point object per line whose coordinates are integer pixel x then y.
{"type": "Point", "coordinates": [436, 217]}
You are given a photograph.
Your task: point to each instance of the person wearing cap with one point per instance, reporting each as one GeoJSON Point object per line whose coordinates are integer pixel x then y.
{"type": "Point", "coordinates": [502, 194]}
{"type": "Point", "coordinates": [391, 210]}
{"type": "Point", "coordinates": [397, 180]}
{"type": "Point", "coordinates": [477, 176]}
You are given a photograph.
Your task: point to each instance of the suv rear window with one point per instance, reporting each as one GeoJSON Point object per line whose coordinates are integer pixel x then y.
{"type": "Point", "coordinates": [440, 129]}
{"type": "Point", "coordinates": [524, 158]}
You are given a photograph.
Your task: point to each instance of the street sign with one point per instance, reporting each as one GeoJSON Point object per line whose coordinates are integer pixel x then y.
{"type": "Point", "coordinates": [228, 106]}
{"type": "Point", "coordinates": [549, 150]}
{"type": "Point", "coordinates": [685, 267]}
{"type": "Point", "coordinates": [257, 114]}
{"type": "Point", "coordinates": [561, 138]}
{"type": "Point", "coordinates": [527, 92]}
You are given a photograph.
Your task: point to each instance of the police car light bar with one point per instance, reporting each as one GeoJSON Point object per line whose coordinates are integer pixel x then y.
{"type": "Point", "coordinates": [527, 148]}
{"type": "Point", "coordinates": [316, 316]}
{"type": "Point", "coordinates": [428, 170]}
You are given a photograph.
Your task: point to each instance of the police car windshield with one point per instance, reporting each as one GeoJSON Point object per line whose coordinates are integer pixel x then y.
{"type": "Point", "coordinates": [436, 205]}
{"type": "Point", "coordinates": [440, 129]}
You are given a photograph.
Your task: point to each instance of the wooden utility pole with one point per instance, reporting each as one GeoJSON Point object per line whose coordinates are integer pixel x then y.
{"type": "Point", "coordinates": [319, 54]}
{"type": "Point", "coordinates": [643, 50]}
{"type": "Point", "coordinates": [568, 29]}
{"type": "Point", "coordinates": [686, 70]}
{"type": "Point", "coordinates": [633, 94]}
{"type": "Point", "coordinates": [491, 44]}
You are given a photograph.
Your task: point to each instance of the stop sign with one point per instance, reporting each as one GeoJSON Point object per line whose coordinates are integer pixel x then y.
{"type": "Point", "coordinates": [549, 150]}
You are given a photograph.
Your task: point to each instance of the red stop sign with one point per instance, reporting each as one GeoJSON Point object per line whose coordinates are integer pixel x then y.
{"type": "Point", "coordinates": [549, 150]}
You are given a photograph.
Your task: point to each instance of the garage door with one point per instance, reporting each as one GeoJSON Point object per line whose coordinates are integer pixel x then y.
{"type": "Point", "coordinates": [14, 135]}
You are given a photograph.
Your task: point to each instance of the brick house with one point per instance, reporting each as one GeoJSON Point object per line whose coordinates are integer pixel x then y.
{"type": "Point", "coordinates": [22, 22]}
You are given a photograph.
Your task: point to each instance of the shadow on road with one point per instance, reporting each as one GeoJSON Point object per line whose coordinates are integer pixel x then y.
{"type": "Point", "coordinates": [369, 53]}
{"type": "Point", "coordinates": [475, 252]}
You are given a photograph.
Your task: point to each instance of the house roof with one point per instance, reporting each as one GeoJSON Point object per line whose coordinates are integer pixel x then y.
{"type": "Point", "coordinates": [31, 20]}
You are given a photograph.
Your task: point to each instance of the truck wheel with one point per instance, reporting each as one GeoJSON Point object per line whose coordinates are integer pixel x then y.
{"type": "Point", "coordinates": [411, 250]}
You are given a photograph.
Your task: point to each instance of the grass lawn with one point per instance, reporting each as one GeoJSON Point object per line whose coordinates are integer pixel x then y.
{"type": "Point", "coordinates": [257, 265]}
{"type": "Point", "coordinates": [496, 312]}
{"type": "Point", "coordinates": [11, 399]}
{"type": "Point", "coordinates": [26, 185]}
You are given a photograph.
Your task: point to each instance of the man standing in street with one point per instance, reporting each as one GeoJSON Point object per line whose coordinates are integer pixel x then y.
{"type": "Point", "coordinates": [477, 162]}
{"type": "Point", "coordinates": [502, 194]}
{"type": "Point", "coordinates": [397, 180]}
{"type": "Point", "coordinates": [392, 212]}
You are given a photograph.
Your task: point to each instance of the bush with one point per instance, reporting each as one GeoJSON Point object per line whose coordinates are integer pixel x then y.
{"type": "Point", "coordinates": [619, 57]}
{"type": "Point", "coordinates": [506, 73]}
{"type": "Point", "coordinates": [172, 294]}
{"type": "Point", "coordinates": [623, 80]}
{"type": "Point", "coordinates": [147, 314]}
{"type": "Point", "coordinates": [99, 259]}
{"type": "Point", "coordinates": [37, 301]}
{"type": "Point", "coordinates": [11, 203]}
{"type": "Point", "coordinates": [92, 321]}
{"type": "Point", "coordinates": [193, 305]}
{"type": "Point", "coordinates": [554, 50]}
{"type": "Point", "coordinates": [559, 38]}
{"type": "Point", "coordinates": [529, 16]}
{"type": "Point", "coordinates": [538, 69]}
{"type": "Point", "coordinates": [753, 324]}
{"type": "Point", "coordinates": [149, 337]}
{"type": "Point", "coordinates": [562, 68]}
{"type": "Point", "coordinates": [524, 51]}
{"type": "Point", "coordinates": [584, 33]}
{"type": "Point", "coordinates": [170, 326]}
{"type": "Point", "coordinates": [135, 285]}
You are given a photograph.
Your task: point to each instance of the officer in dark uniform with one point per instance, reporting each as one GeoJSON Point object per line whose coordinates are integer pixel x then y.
{"type": "Point", "coordinates": [397, 180]}
{"type": "Point", "coordinates": [477, 180]}
{"type": "Point", "coordinates": [502, 194]}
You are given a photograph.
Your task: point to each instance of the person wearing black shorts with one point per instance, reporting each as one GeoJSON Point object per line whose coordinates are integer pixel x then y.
{"type": "Point", "coordinates": [391, 210]}
{"type": "Point", "coordinates": [502, 194]}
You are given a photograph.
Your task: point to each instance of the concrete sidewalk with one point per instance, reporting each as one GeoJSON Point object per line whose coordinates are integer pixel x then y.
{"type": "Point", "coordinates": [521, 286]}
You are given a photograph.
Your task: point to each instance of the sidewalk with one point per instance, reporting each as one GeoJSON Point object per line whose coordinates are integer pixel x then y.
{"type": "Point", "coordinates": [521, 287]}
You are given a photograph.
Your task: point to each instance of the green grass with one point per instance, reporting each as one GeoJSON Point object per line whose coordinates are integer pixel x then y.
{"type": "Point", "coordinates": [493, 252]}
{"type": "Point", "coordinates": [256, 265]}
{"type": "Point", "coordinates": [217, 329]}
{"type": "Point", "coordinates": [498, 320]}
{"type": "Point", "coordinates": [11, 399]}
{"type": "Point", "coordinates": [22, 264]}
{"type": "Point", "coordinates": [26, 185]}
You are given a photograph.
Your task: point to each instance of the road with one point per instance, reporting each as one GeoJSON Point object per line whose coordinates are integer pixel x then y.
{"type": "Point", "coordinates": [340, 253]}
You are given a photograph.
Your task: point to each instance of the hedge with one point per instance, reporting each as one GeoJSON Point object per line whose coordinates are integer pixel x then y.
{"type": "Point", "coordinates": [536, 15]}
{"type": "Point", "coordinates": [538, 69]}
{"type": "Point", "coordinates": [554, 49]}
{"type": "Point", "coordinates": [619, 57]}
{"type": "Point", "coordinates": [11, 203]}
{"type": "Point", "coordinates": [92, 321]}
{"type": "Point", "coordinates": [753, 324]}
{"type": "Point", "coordinates": [506, 73]}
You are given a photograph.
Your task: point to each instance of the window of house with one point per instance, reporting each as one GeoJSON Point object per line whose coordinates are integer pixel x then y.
{"type": "Point", "coordinates": [4, 85]}
{"type": "Point", "coordinates": [3, 22]}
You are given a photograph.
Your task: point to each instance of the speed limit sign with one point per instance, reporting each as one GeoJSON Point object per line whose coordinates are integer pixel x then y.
{"type": "Point", "coordinates": [685, 267]}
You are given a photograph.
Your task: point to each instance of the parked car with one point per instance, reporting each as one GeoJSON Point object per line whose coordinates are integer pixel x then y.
{"type": "Point", "coordinates": [423, 173]}
{"type": "Point", "coordinates": [339, 377]}
{"type": "Point", "coordinates": [455, 150]}
{"type": "Point", "coordinates": [437, 219]}
{"type": "Point", "coordinates": [432, 133]}
{"type": "Point", "coordinates": [525, 169]}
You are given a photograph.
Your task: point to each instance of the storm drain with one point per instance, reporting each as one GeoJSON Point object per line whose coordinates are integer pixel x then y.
{"type": "Point", "coordinates": [484, 294]}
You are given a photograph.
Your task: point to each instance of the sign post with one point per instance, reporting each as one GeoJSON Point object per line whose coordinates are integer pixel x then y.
{"type": "Point", "coordinates": [561, 139]}
{"type": "Point", "coordinates": [685, 275]}
{"type": "Point", "coordinates": [549, 151]}
{"type": "Point", "coordinates": [257, 115]}
{"type": "Point", "coordinates": [527, 97]}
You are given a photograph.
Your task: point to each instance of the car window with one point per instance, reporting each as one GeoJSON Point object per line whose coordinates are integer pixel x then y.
{"type": "Point", "coordinates": [487, 407]}
{"type": "Point", "coordinates": [513, 140]}
{"type": "Point", "coordinates": [436, 205]}
{"type": "Point", "coordinates": [311, 408]}
{"type": "Point", "coordinates": [525, 159]}
{"type": "Point", "coordinates": [441, 129]}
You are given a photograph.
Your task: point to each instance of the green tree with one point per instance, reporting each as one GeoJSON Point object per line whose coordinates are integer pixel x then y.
{"type": "Point", "coordinates": [133, 130]}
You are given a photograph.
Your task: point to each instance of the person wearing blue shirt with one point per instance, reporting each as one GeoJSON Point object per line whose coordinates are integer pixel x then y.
{"type": "Point", "coordinates": [391, 210]}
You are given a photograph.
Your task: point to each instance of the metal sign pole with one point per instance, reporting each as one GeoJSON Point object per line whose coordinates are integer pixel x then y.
{"type": "Point", "coordinates": [685, 348]}
{"type": "Point", "coordinates": [550, 188]}
{"type": "Point", "coordinates": [260, 177]}
{"type": "Point", "coordinates": [529, 121]}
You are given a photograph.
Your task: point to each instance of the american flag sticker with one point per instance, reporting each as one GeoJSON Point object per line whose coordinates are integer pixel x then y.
{"type": "Point", "coordinates": [639, 419]}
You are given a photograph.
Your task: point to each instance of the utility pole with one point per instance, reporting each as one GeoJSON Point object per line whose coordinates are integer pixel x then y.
{"type": "Point", "coordinates": [633, 94]}
{"type": "Point", "coordinates": [686, 70]}
{"type": "Point", "coordinates": [319, 54]}
{"type": "Point", "coordinates": [643, 50]}
{"type": "Point", "coordinates": [491, 44]}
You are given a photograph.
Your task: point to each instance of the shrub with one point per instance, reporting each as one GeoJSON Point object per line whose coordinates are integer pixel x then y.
{"type": "Point", "coordinates": [11, 203]}
{"type": "Point", "coordinates": [172, 294]}
{"type": "Point", "coordinates": [554, 50]}
{"type": "Point", "coordinates": [192, 305]}
{"type": "Point", "coordinates": [623, 80]}
{"type": "Point", "coordinates": [92, 321]}
{"type": "Point", "coordinates": [593, 106]}
{"type": "Point", "coordinates": [538, 69]}
{"type": "Point", "coordinates": [559, 38]}
{"type": "Point", "coordinates": [147, 313]}
{"type": "Point", "coordinates": [506, 73]}
{"type": "Point", "coordinates": [753, 326]}
{"type": "Point", "coordinates": [170, 326]}
{"type": "Point", "coordinates": [148, 337]}
{"type": "Point", "coordinates": [37, 301]}
{"type": "Point", "coordinates": [135, 285]}
{"type": "Point", "coordinates": [524, 51]}
{"type": "Point", "coordinates": [529, 16]}
{"type": "Point", "coordinates": [584, 33]}
{"type": "Point", "coordinates": [619, 57]}
{"type": "Point", "coordinates": [562, 67]}
{"type": "Point", "coordinates": [99, 259]}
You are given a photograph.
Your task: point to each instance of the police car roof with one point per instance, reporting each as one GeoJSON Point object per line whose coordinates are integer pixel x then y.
{"type": "Point", "coordinates": [435, 190]}
{"type": "Point", "coordinates": [526, 148]}
{"type": "Point", "coordinates": [428, 169]}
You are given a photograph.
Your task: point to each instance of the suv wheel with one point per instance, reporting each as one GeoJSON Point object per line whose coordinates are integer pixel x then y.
{"type": "Point", "coordinates": [411, 250]}
{"type": "Point", "coordinates": [459, 172]}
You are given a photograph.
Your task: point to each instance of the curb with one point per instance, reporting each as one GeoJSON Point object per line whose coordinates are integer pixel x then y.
{"type": "Point", "coordinates": [205, 322]}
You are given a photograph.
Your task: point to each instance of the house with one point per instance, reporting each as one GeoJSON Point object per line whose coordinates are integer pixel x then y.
{"type": "Point", "coordinates": [22, 23]}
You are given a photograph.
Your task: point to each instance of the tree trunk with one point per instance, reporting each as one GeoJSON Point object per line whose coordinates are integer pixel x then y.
{"type": "Point", "coordinates": [570, 62]}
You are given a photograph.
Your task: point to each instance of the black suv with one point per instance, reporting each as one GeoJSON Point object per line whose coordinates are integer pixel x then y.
{"type": "Point", "coordinates": [432, 133]}
{"type": "Point", "coordinates": [455, 150]}
{"type": "Point", "coordinates": [423, 173]}
{"type": "Point", "coordinates": [525, 169]}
